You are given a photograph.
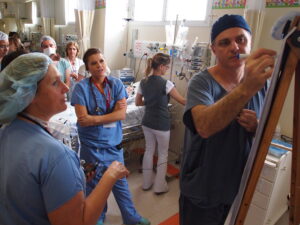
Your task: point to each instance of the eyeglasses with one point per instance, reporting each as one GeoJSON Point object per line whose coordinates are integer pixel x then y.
{"type": "Point", "coordinates": [4, 46]}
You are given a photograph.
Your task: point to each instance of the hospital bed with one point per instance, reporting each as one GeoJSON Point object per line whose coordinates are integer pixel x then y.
{"type": "Point", "coordinates": [63, 125]}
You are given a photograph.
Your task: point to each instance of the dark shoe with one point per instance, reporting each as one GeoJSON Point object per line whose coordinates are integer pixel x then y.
{"type": "Point", "coordinates": [144, 221]}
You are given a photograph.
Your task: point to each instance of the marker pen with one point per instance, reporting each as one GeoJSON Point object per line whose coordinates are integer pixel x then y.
{"type": "Point", "coordinates": [244, 56]}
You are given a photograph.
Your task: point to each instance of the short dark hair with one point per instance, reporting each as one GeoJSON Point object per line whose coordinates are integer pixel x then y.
{"type": "Point", "coordinates": [88, 53]}
{"type": "Point", "coordinates": [16, 41]}
{"type": "Point", "coordinates": [13, 34]}
{"type": "Point", "coordinates": [7, 59]}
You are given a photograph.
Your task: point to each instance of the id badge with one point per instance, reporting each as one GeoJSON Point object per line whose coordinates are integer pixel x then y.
{"type": "Point", "coordinates": [110, 125]}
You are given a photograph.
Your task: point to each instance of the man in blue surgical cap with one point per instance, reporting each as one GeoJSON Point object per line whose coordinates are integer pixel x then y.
{"type": "Point", "coordinates": [221, 114]}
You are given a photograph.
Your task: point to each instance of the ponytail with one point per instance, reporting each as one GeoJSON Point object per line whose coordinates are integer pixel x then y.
{"type": "Point", "coordinates": [156, 61]}
{"type": "Point", "coordinates": [149, 67]}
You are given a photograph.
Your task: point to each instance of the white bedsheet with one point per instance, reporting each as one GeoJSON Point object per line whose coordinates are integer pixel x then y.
{"type": "Point", "coordinates": [63, 125]}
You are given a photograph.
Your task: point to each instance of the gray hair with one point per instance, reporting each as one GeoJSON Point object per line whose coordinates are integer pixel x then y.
{"type": "Point", "coordinates": [46, 38]}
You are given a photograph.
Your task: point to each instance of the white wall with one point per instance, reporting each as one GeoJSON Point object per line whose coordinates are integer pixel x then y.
{"type": "Point", "coordinates": [115, 33]}
{"type": "Point", "coordinates": [109, 32]}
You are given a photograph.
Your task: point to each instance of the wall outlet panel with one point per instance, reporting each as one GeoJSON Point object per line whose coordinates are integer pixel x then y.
{"type": "Point", "coordinates": [148, 47]}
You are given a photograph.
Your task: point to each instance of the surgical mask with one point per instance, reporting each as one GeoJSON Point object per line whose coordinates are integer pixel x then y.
{"type": "Point", "coordinates": [49, 51]}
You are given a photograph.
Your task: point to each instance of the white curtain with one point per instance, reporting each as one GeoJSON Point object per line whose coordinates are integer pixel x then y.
{"type": "Point", "coordinates": [47, 16]}
{"type": "Point", "coordinates": [254, 14]}
{"type": "Point", "coordinates": [20, 26]}
{"type": "Point", "coordinates": [85, 4]}
{"type": "Point", "coordinates": [19, 23]}
{"type": "Point", "coordinates": [84, 21]}
{"type": "Point", "coordinates": [84, 17]}
{"type": "Point", "coordinates": [48, 26]}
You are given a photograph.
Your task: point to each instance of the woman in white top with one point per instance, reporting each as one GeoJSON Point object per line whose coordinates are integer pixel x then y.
{"type": "Point", "coordinates": [72, 51]}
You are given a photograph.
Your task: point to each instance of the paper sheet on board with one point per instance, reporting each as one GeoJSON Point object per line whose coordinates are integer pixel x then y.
{"type": "Point", "coordinates": [263, 118]}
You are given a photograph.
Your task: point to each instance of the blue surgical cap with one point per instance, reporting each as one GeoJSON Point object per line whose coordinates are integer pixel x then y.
{"type": "Point", "coordinates": [46, 38]}
{"type": "Point", "coordinates": [228, 21]}
{"type": "Point", "coordinates": [18, 83]}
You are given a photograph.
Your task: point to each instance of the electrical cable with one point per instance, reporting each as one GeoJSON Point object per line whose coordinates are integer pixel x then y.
{"type": "Point", "coordinates": [145, 54]}
{"type": "Point", "coordinates": [181, 75]}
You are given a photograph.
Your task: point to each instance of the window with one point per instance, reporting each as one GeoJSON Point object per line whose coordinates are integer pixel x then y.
{"type": "Point", "coordinates": [167, 10]}
{"type": "Point", "coordinates": [148, 10]}
{"type": "Point", "coordinates": [70, 14]}
{"type": "Point", "coordinates": [191, 10]}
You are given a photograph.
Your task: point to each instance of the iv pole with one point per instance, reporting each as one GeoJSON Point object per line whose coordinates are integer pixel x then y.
{"type": "Point", "coordinates": [173, 47]}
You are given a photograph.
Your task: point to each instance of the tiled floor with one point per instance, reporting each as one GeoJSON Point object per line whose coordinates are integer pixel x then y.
{"type": "Point", "coordinates": [153, 207]}
{"type": "Point", "coordinates": [156, 208]}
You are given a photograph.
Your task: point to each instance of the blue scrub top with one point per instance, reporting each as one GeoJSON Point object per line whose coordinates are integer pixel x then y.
{"type": "Point", "coordinates": [62, 66]}
{"type": "Point", "coordinates": [38, 174]}
{"type": "Point", "coordinates": [212, 167]}
{"type": "Point", "coordinates": [100, 136]}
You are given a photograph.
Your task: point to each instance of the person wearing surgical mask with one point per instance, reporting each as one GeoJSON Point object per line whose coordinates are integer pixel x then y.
{"type": "Point", "coordinates": [48, 46]}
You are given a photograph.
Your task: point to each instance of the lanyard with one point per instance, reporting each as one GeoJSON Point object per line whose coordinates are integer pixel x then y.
{"type": "Point", "coordinates": [106, 97]}
{"type": "Point", "coordinates": [28, 117]}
